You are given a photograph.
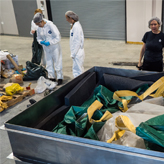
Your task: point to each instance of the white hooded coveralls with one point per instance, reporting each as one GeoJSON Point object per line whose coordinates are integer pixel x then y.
{"type": "Point", "coordinates": [77, 48]}
{"type": "Point", "coordinates": [34, 27]}
{"type": "Point", "coordinates": [53, 54]}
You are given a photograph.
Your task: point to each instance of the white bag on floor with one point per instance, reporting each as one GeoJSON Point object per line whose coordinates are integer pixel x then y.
{"type": "Point", "coordinates": [43, 84]}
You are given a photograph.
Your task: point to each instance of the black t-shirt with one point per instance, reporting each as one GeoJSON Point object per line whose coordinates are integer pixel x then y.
{"type": "Point", "coordinates": [154, 44]}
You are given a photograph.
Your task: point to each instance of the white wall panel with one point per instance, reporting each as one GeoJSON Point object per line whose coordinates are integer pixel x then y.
{"type": "Point", "coordinates": [139, 12]}
{"type": "Point", "coordinates": [7, 18]}
{"type": "Point", "coordinates": [42, 7]}
{"type": "Point", "coordinates": [158, 9]}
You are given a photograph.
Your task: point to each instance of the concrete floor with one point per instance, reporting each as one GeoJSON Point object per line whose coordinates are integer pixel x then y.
{"type": "Point", "coordinates": [98, 53]}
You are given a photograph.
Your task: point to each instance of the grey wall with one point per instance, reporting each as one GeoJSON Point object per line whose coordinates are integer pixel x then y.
{"type": "Point", "coordinates": [24, 12]}
{"type": "Point", "coordinates": [99, 18]}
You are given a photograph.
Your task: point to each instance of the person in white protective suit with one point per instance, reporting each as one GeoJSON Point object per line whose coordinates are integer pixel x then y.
{"type": "Point", "coordinates": [76, 43]}
{"type": "Point", "coordinates": [49, 37]}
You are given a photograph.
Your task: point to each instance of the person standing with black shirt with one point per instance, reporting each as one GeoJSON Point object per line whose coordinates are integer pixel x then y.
{"type": "Point", "coordinates": [152, 49]}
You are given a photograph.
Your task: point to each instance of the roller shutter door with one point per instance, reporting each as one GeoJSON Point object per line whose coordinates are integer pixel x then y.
{"type": "Point", "coordinates": [102, 19]}
{"type": "Point", "coordinates": [24, 13]}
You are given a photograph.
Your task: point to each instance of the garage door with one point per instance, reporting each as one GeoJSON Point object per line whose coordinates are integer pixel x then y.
{"type": "Point", "coordinates": [102, 19]}
{"type": "Point", "coordinates": [24, 13]}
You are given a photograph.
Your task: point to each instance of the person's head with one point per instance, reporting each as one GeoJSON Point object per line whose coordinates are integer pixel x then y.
{"type": "Point", "coordinates": [38, 19]}
{"type": "Point", "coordinates": [38, 11]}
{"type": "Point", "coordinates": [154, 24]}
{"type": "Point", "coordinates": [71, 17]}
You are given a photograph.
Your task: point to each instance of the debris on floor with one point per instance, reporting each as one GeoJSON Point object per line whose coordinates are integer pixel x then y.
{"type": "Point", "coordinates": [7, 101]}
{"type": "Point", "coordinates": [124, 63]}
{"type": "Point", "coordinates": [9, 65]}
{"type": "Point", "coordinates": [15, 77]}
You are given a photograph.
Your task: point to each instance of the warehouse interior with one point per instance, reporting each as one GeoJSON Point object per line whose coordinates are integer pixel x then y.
{"type": "Point", "coordinates": [113, 32]}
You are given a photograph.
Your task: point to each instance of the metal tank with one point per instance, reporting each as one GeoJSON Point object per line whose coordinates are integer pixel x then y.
{"type": "Point", "coordinates": [32, 140]}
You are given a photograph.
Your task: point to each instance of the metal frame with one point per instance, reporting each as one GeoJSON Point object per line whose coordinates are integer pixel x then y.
{"type": "Point", "coordinates": [41, 146]}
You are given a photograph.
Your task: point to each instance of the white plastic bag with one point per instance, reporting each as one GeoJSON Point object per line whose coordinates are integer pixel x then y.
{"type": "Point", "coordinates": [129, 138]}
{"type": "Point", "coordinates": [43, 84]}
{"type": "Point", "coordinates": [138, 113]}
{"type": "Point", "coordinates": [157, 101]}
{"type": "Point", "coordinates": [153, 106]}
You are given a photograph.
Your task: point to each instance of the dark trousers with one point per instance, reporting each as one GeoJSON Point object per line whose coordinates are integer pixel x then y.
{"type": "Point", "coordinates": [153, 66]}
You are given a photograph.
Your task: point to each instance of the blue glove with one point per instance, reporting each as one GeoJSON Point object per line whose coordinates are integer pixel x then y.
{"type": "Point", "coordinates": [46, 43]}
{"type": "Point", "coordinates": [42, 42]}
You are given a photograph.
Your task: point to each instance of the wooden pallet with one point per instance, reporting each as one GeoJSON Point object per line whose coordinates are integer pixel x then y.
{"type": "Point", "coordinates": [16, 98]}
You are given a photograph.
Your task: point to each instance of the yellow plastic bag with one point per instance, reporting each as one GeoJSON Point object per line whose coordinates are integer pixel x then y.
{"type": "Point", "coordinates": [13, 89]}
{"type": "Point", "coordinates": [3, 105]}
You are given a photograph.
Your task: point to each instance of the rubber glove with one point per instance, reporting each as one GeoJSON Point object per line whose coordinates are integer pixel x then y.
{"type": "Point", "coordinates": [42, 42]}
{"type": "Point", "coordinates": [46, 43]}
